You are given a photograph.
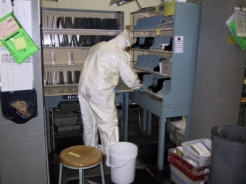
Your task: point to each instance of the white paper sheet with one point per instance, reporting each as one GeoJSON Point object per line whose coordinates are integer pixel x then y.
{"type": "Point", "coordinates": [179, 44]}
{"type": "Point", "coordinates": [15, 76]}
{"type": "Point", "coordinates": [240, 18]}
{"type": "Point", "coordinates": [5, 7]}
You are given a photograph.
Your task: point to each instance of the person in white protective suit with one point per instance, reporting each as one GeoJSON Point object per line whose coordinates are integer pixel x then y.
{"type": "Point", "coordinates": [105, 63]}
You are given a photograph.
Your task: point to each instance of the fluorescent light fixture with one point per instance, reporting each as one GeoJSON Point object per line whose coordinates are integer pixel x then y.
{"type": "Point", "coordinates": [121, 2]}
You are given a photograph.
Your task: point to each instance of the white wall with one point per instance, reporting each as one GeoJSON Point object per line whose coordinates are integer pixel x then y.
{"type": "Point", "coordinates": [100, 5]}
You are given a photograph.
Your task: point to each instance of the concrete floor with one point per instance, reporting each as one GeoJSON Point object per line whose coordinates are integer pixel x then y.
{"type": "Point", "coordinates": [146, 162]}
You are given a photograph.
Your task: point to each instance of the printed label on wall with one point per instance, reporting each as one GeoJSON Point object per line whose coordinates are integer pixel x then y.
{"type": "Point", "coordinates": [179, 44]}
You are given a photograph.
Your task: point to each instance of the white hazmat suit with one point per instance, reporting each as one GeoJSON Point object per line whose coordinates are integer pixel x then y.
{"type": "Point", "coordinates": [105, 63]}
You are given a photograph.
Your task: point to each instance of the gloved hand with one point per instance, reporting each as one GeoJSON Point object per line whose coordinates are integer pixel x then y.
{"type": "Point", "coordinates": [141, 89]}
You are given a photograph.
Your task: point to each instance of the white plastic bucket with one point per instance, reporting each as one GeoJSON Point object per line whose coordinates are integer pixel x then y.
{"type": "Point", "coordinates": [123, 162]}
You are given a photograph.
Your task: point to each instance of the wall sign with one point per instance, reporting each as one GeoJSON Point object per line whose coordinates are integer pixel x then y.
{"type": "Point", "coordinates": [179, 44]}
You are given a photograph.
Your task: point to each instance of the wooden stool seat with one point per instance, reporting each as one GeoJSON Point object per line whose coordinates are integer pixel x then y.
{"type": "Point", "coordinates": [81, 157]}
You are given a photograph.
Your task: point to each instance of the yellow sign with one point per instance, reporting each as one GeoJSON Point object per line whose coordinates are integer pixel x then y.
{"type": "Point", "coordinates": [169, 8]}
{"type": "Point", "coordinates": [231, 39]}
{"type": "Point", "coordinates": [20, 43]}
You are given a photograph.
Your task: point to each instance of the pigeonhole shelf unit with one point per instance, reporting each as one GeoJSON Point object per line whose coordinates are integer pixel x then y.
{"type": "Point", "coordinates": [164, 54]}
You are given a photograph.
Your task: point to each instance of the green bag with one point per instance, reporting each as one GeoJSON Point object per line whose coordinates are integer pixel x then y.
{"type": "Point", "coordinates": [16, 39]}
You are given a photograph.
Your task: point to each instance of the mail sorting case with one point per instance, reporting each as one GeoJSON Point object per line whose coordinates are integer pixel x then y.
{"type": "Point", "coordinates": [67, 35]}
{"type": "Point", "coordinates": [169, 88]}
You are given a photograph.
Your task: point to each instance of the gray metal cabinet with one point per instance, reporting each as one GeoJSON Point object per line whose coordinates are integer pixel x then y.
{"type": "Point", "coordinates": [176, 95]}
{"type": "Point", "coordinates": [23, 155]}
{"type": "Point", "coordinates": [220, 71]}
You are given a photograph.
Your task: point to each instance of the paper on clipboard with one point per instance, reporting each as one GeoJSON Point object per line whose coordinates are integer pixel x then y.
{"type": "Point", "coordinates": [240, 18]}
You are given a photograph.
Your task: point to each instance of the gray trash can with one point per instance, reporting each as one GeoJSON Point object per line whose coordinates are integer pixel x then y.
{"type": "Point", "coordinates": [228, 155]}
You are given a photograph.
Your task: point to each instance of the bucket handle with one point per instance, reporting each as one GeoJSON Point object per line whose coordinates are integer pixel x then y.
{"type": "Point", "coordinates": [117, 166]}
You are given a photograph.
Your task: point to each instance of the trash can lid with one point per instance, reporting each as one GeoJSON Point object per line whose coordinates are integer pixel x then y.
{"type": "Point", "coordinates": [230, 132]}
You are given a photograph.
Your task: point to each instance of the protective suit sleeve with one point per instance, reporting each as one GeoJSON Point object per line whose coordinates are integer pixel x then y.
{"type": "Point", "coordinates": [129, 76]}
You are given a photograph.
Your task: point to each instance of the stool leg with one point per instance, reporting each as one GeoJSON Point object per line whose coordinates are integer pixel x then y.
{"type": "Point", "coordinates": [102, 172]}
{"type": "Point", "coordinates": [60, 174]}
{"type": "Point", "coordinates": [81, 176]}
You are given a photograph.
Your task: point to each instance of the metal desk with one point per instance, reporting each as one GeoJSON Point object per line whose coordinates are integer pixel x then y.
{"type": "Point", "coordinates": [54, 95]}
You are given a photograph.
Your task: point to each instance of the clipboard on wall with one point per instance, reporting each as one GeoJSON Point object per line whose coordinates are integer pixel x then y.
{"type": "Point", "coordinates": [15, 38]}
{"type": "Point", "coordinates": [237, 26]}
